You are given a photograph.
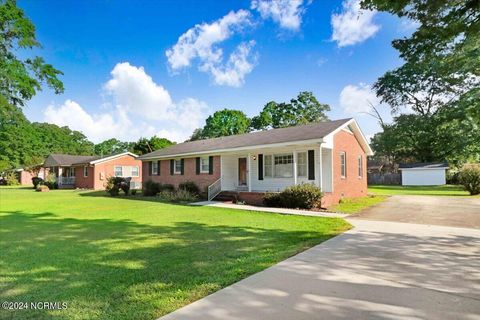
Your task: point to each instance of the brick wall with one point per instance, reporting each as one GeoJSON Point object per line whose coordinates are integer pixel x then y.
{"type": "Point", "coordinates": [106, 169]}
{"type": "Point", "coordinates": [352, 186]}
{"type": "Point", "coordinates": [203, 180]}
{"type": "Point", "coordinates": [84, 182]}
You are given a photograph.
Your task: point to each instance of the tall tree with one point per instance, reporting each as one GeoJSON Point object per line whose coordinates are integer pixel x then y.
{"type": "Point", "coordinates": [440, 78]}
{"type": "Point", "coordinates": [144, 145]}
{"type": "Point", "coordinates": [301, 110]}
{"type": "Point", "coordinates": [225, 122]}
{"type": "Point", "coordinates": [111, 146]}
{"type": "Point", "coordinates": [20, 79]}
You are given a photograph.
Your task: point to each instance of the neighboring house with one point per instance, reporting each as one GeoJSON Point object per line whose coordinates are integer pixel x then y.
{"type": "Point", "coordinates": [92, 172]}
{"type": "Point", "coordinates": [331, 155]}
{"type": "Point", "coordinates": [24, 176]}
{"type": "Point", "coordinates": [423, 174]}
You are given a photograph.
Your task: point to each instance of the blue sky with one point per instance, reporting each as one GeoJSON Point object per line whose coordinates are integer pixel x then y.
{"type": "Point", "coordinates": [136, 68]}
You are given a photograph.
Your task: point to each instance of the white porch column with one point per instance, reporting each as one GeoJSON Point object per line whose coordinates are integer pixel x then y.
{"type": "Point", "coordinates": [249, 174]}
{"type": "Point", "coordinates": [320, 169]}
{"type": "Point", "coordinates": [295, 178]}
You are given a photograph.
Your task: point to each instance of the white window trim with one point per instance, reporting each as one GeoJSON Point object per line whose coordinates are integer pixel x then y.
{"type": "Point", "coordinates": [154, 165]}
{"type": "Point", "coordinates": [85, 171]}
{"type": "Point", "coordinates": [175, 166]}
{"type": "Point", "coordinates": [360, 166]}
{"type": "Point", "coordinates": [305, 164]}
{"type": "Point", "coordinates": [343, 176]}
{"type": "Point", "coordinates": [131, 171]}
{"type": "Point", "coordinates": [201, 164]}
{"type": "Point", "coordinates": [115, 171]}
{"type": "Point", "coordinates": [273, 165]}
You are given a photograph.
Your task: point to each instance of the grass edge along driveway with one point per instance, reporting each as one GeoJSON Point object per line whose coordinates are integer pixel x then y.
{"type": "Point", "coordinates": [442, 190]}
{"type": "Point", "coordinates": [117, 258]}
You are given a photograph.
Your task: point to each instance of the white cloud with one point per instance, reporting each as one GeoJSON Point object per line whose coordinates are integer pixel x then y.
{"type": "Point", "coordinates": [287, 13]}
{"type": "Point", "coordinates": [353, 25]}
{"type": "Point", "coordinates": [141, 108]}
{"type": "Point", "coordinates": [200, 43]}
{"type": "Point", "coordinates": [136, 91]}
{"type": "Point", "coordinates": [238, 66]}
{"type": "Point", "coordinates": [357, 99]}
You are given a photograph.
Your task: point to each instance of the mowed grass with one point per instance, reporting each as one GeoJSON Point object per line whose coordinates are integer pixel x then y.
{"type": "Point", "coordinates": [445, 190]}
{"type": "Point", "coordinates": [118, 258]}
{"type": "Point", "coordinates": [355, 205]}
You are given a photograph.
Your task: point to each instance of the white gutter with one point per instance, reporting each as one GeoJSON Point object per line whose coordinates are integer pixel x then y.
{"type": "Point", "coordinates": [262, 146]}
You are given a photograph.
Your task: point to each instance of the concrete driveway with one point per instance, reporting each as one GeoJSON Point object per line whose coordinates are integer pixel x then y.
{"type": "Point", "coordinates": [436, 210]}
{"type": "Point", "coordinates": [377, 270]}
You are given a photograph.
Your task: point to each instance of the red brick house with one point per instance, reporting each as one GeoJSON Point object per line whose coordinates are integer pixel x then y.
{"type": "Point", "coordinates": [331, 155]}
{"type": "Point", "coordinates": [92, 172]}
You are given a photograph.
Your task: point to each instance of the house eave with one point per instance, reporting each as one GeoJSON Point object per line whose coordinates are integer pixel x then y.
{"type": "Point", "coordinates": [227, 150]}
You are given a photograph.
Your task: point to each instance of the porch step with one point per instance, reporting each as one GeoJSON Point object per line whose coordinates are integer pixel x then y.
{"type": "Point", "coordinates": [226, 196]}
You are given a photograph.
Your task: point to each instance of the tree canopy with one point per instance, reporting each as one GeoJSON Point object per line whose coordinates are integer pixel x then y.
{"type": "Point", "coordinates": [301, 110]}
{"type": "Point", "coordinates": [439, 81]}
{"type": "Point", "coordinates": [20, 79]}
{"type": "Point", "coordinates": [144, 145]}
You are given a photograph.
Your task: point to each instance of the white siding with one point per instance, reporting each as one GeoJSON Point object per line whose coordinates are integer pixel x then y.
{"type": "Point", "coordinates": [423, 177]}
{"type": "Point", "coordinates": [230, 169]}
{"type": "Point", "coordinates": [327, 179]}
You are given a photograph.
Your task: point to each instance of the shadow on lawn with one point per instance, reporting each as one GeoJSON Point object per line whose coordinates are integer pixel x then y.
{"type": "Point", "coordinates": [119, 269]}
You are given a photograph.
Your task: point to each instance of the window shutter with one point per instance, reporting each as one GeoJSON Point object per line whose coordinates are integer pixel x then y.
{"type": "Point", "coordinates": [210, 165]}
{"type": "Point", "coordinates": [311, 165]}
{"type": "Point", "coordinates": [150, 165]}
{"type": "Point", "coordinates": [197, 165]}
{"type": "Point", "coordinates": [260, 167]}
{"type": "Point", "coordinates": [182, 163]}
{"type": "Point", "coordinates": [158, 167]}
{"type": "Point", "coordinates": [172, 164]}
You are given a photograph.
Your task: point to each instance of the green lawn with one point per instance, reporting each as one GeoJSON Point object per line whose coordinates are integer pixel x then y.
{"type": "Point", "coordinates": [117, 258]}
{"type": "Point", "coordinates": [356, 205]}
{"type": "Point", "coordinates": [446, 190]}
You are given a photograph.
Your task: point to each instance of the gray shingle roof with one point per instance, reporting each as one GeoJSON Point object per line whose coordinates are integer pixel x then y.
{"type": "Point", "coordinates": [290, 134]}
{"type": "Point", "coordinates": [54, 160]}
{"type": "Point", "coordinates": [423, 165]}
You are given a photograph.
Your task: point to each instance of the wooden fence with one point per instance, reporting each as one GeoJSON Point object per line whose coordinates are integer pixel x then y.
{"type": "Point", "coordinates": [384, 178]}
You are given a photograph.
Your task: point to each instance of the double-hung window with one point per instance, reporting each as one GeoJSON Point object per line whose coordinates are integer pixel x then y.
{"type": "Point", "coordinates": [268, 166]}
{"type": "Point", "coordinates": [118, 171]}
{"type": "Point", "coordinates": [178, 167]}
{"type": "Point", "coordinates": [85, 171]}
{"type": "Point", "coordinates": [204, 164]}
{"type": "Point", "coordinates": [343, 164]}
{"type": "Point", "coordinates": [135, 171]}
{"type": "Point", "coordinates": [155, 168]}
{"type": "Point", "coordinates": [360, 166]}
{"type": "Point", "coordinates": [302, 168]}
{"type": "Point", "coordinates": [278, 165]}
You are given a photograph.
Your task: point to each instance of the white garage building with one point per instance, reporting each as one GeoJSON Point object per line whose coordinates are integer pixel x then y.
{"type": "Point", "coordinates": [423, 174]}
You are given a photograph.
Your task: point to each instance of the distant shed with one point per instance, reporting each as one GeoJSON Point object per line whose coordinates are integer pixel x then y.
{"type": "Point", "coordinates": [423, 174]}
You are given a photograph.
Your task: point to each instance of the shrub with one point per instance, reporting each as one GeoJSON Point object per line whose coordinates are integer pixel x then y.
{"type": "Point", "coordinates": [302, 196]}
{"type": "Point", "coordinates": [134, 192]}
{"type": "Point", "coordinates": [189, 186]}
{"type": "Point", "coordinates": [151, 188]}
{"type": "Point", "coordinates": [42, 188]}
{"type": "Point", "coordinates": [167, 187]}
{"type": "Point", "coordinates": [36, 182]}
{"type": "Point", "coordinates": [469, 177]}
{"type": "Point", "coordinates": [12, 179]}
{"type": "Point", "coordinates": [272, 199]}
{"type": "Point", "coordinates": [51, 181]}
{"type": "Point", "coordinates": [179, 195]}
{"type": "Point", "coordinates": [115, 184]}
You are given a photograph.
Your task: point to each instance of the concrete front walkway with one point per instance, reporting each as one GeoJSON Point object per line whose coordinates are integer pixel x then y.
{"type": "Point", "coordinates": [377, 270]}
{"type": "Point", "coordinates": [220, 204]}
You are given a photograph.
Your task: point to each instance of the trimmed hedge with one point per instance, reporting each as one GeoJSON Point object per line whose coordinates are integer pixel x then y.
{"type": "Point", "coordinates": [469, 177]}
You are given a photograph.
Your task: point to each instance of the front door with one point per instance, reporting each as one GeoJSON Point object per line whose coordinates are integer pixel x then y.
{"type": "Point", "coordinates": [242, 171]}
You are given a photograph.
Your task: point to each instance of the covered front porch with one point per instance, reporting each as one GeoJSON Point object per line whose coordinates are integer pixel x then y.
{"type": "Point", "coordinates": [64, 176]}
{"type": "Point", "coordinates": [274, 169]}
